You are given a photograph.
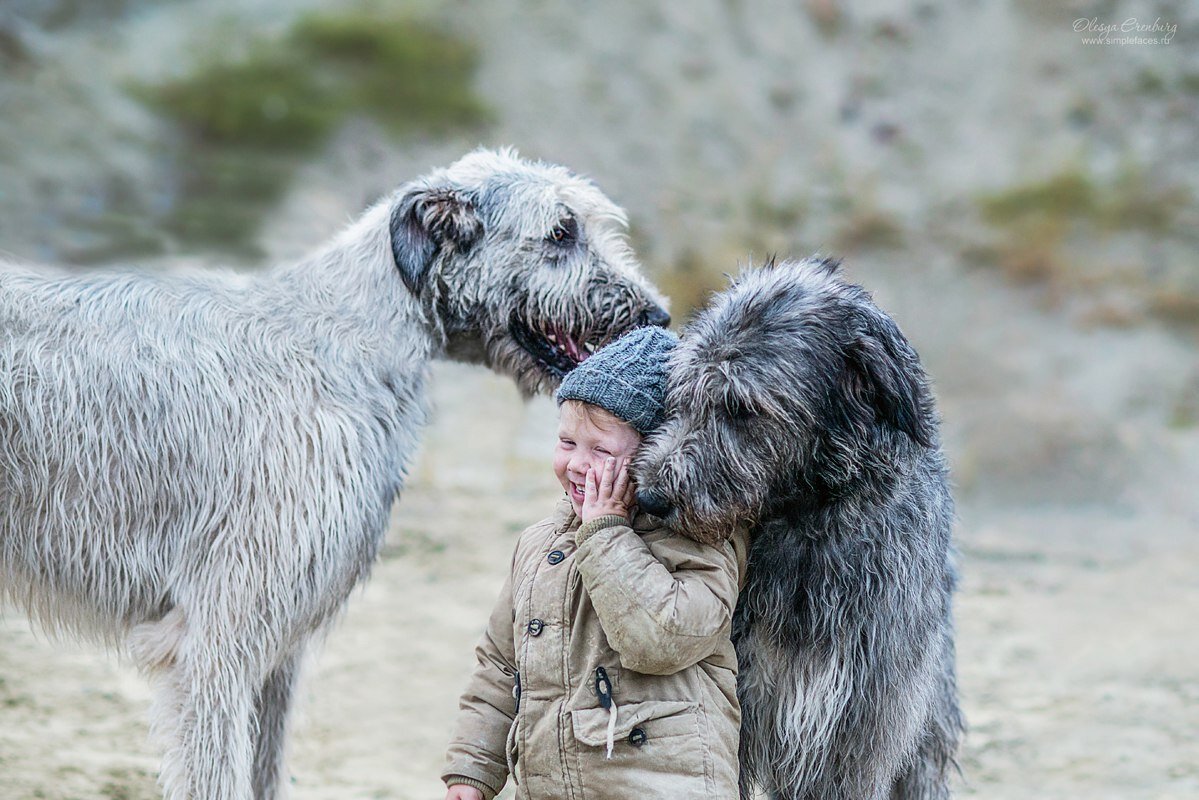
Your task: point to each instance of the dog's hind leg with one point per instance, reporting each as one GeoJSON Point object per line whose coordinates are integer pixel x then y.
{"type": "Point", "coordinates": [271, 707]}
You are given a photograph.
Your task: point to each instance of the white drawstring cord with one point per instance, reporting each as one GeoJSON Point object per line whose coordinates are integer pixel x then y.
{"type": "Point", "coordinates": [611, 728]}
{"type": "Point", "coordinates": [603, 690]}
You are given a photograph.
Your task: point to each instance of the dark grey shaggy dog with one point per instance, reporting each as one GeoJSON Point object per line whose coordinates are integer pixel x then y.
{"type": "Point", "coordinates": [796, 406]}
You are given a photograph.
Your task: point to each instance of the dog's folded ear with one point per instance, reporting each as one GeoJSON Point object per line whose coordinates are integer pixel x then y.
{"type": "Point", "coordinates": [425, 221]}
{"type": "Point", "coordinates": [886, 378]}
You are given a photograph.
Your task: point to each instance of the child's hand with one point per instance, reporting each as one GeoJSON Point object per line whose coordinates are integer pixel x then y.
{"type": "Point", "coordinates": [609, 493]}
{"type": "Point", "coordinates": [460, 791]}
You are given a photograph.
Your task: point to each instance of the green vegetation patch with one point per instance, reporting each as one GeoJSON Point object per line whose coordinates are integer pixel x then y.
{"type": "Point", "coordinates": [1128, 203]}
{"type": "Point", "coordinates": [410, 76]}
{"type": "Point", "coordinates": [248, 122]}
{"type": "Point", "coordinates": [272, 99]}
{"type": "Point", "coordinates": [870, 228]}
{"type": "Point", "coordinates": [1052, 233]}
{"type": "Point", "coordinates": [1069, 194]}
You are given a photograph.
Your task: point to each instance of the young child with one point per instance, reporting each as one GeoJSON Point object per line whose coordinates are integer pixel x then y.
{"type": "Point", "coordinates": [606, 670]}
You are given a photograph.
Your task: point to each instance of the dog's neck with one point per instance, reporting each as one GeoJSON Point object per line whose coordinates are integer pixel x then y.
{"type": "Point", "coordinates": [355, 276]}
{"type": "Point", "coordinates": [807, 493]}
{"type": "Point", "coordinates": [466, 347]}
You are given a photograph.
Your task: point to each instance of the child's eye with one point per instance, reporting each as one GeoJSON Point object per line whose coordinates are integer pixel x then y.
{"type": "Point", "coordinates": [566, 442]}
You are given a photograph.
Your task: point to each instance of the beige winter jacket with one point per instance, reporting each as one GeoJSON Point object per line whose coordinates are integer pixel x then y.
{"type": "Point", "coordinates": [606, 634]}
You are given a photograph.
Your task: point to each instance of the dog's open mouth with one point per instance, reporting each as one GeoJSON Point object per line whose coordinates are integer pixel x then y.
{"type": "Point", "coordinates": [554, 349]}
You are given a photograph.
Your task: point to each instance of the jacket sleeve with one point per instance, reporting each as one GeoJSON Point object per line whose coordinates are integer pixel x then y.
{"type": "Point", "coordinates": [477, 749]}
{"type": "Point", "coordinates": [659, 619]}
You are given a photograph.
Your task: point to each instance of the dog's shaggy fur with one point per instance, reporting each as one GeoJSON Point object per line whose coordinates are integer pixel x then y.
{"type": "Point", "coordinates": [200, 467]}
{"type": "Point", "coordinates": [796, 406]}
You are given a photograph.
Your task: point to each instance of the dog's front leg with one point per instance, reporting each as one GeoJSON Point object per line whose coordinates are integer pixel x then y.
{"type": "Point", "coordinates": [212, 756]}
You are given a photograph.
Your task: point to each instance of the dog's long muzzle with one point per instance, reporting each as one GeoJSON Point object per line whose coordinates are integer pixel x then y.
{"type": "Point", "coordinates": [655, 315]}
{"type": "Point", "coordinates": [653, 503]}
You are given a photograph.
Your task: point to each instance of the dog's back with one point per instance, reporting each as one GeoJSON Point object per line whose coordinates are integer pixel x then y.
{"type": "Point", "coordinates": [139, 414]}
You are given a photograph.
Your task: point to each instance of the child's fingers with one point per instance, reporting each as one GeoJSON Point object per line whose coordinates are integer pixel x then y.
{"type": "Point", "coordinates": [608, 478]}
{"type": "Point", "coordinates": [621, 485]}
{"type": "Point", "coordinates": [589, 487]}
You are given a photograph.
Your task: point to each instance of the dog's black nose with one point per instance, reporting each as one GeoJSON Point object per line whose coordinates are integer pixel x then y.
{"type": "Point", "coordinates": [655, 315]}
{"type": "Point", "coordinates": [653, 503]}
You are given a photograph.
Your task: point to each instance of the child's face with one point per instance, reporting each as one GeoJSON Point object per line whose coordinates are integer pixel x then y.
{"type": "Point", "coordinates": [587, 435]}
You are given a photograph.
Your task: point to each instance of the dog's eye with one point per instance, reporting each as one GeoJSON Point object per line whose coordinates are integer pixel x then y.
{"type": "Point", "coordinates": [737, 410]}
{"type": "Point", "coordinates": [565, 232]}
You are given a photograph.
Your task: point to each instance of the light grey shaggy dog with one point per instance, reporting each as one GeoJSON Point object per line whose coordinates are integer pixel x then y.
{"type": "Point", "coordinates": [796, 406]}
{"type": "Point", "coordinates": [199, 468]}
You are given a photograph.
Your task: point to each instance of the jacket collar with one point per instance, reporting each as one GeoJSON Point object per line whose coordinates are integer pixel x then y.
{"type": "Point", "coordinates": [643, 523]}
{"type": "Point", "coordinates": [564, 515]}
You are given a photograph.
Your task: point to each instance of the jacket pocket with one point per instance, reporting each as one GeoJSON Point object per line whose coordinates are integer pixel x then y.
{"type": "Point", "coordinates": [658, 750]}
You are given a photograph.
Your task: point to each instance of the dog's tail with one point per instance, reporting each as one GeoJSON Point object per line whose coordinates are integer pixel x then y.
{"type": "Point", "coordinates": [154, 646]}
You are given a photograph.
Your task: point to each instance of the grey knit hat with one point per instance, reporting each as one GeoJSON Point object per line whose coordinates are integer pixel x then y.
{"type": "Point", "coordinates": [626, 377]}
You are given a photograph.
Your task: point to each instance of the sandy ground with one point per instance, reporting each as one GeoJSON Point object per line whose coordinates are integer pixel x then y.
{"type": "Point", "coordinates": [1077, 650]}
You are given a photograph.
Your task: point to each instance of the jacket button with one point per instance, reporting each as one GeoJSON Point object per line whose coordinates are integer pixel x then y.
{"type": "Point", "coordinates": [555, 557]}
{"type": "Point", "coordinates": [535, 627]}
{"type": "Point", "coordinates": [637, 737]}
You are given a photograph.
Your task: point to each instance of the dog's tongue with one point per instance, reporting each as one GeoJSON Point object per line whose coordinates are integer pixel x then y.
{"type": "Point", "coordinates": [571, 347]}
{"type": "Point", "coordinates": [580, 354]}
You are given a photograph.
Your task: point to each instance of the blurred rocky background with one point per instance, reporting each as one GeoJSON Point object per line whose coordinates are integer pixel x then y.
{"type": "Point", "coordinates": [1022, 198]}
